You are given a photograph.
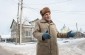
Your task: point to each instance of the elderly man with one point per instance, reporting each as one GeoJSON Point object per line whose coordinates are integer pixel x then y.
{"type": "Point", "coordinates": [46, 33]}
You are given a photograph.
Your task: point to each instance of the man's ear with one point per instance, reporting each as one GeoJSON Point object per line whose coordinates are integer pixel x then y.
{"type": "Point", "coordinates": [41, 12]}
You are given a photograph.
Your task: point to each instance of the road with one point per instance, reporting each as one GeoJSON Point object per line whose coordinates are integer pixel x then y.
{"type": "Point", "coordinates": [4, 52]}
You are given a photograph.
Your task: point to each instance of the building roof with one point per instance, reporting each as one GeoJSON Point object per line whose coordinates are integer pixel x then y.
{"type": "Point", "coordinates": [12, 23]}
{"type": "Point", "coordinates": [24, 22]}
{"type": "Point", "coordinates": [34, 20]}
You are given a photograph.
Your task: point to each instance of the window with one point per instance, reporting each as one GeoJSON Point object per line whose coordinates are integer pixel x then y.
{"type": "Point", "coordinates": [28, 33]}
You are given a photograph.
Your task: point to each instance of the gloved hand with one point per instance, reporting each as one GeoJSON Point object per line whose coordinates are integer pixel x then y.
{"type": "Point", "coordinates": [71, 34]}
{"type": "Point", "coordinates": [46, 36]}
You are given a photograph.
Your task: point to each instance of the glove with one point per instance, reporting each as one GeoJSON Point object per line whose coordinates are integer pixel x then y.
{"type": "Point", "coordinates": [46, 36]}
{"type": "Point", "coordinates": [71, 34]}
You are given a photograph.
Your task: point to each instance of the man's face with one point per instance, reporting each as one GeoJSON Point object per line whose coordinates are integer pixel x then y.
{"type": "Point", "coordinates": [47, 16]}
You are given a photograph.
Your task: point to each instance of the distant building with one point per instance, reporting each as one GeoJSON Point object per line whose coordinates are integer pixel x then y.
{"type": "Point", "coordinates": [83, 32]}
{"type": "Point", "coordinates": [27, 30]}
{"type": "Point", "coordinates": [64, 29]}
{"type": "Point", "coordinates": [79, 35]}
{"type": "Point", "coordinates": [4, 38]}
{"type": "Point", "coordinates": [0, 38]}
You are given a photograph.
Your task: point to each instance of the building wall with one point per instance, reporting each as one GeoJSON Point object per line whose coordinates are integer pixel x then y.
{"type": "Point", "coordinates": [14, 30]}
{"type": "Point", "coordinates": [27, 32]}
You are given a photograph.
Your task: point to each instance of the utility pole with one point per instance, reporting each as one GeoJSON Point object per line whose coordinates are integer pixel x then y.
{"type": "Point", "coordinates": [17, 35]}
{"type": "Point", "coordinates": [77, 27]}
{"type": "Point", "coordinates": [21, 9]}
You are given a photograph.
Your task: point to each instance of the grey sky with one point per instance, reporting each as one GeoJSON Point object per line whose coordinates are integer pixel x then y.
{"type": "Point", "coordinates": [66, 12]}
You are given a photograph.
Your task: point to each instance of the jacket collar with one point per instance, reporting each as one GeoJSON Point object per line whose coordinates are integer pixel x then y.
{"type": "Point", "coordinates": [44, 21]}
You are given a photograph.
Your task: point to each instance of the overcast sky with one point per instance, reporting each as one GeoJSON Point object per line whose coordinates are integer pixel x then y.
{"type": "Point", "coordinates": [66, 12]}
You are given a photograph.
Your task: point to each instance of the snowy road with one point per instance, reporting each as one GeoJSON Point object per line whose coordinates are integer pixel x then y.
{"type": "Point", "coordinates": [70, 47]}
{"type": "Point", "coordinates": [4, 52]}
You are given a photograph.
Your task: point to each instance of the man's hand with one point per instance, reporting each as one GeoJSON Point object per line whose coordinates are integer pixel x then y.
{"type": "Point", "coordinates": [46, 36]}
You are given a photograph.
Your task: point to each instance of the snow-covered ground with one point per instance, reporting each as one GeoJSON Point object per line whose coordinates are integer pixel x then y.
{"type": "Point", "coordinates": [72, 47]}
{"type": "Point", "coordinates": [66, 47]}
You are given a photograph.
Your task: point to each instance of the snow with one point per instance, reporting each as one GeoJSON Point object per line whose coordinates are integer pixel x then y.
{"type": "Point", "coordinates": [66, 47]}
{"type": "Point", "coordinates": [72, 47]}
{"type": "Point", "coordinates": [24, 48]}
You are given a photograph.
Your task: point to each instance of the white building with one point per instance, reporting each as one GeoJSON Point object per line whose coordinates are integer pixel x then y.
{"type": "Point", "coordinates": [27, 30]}
{"type": "Point", "coordinates": [64, 29]}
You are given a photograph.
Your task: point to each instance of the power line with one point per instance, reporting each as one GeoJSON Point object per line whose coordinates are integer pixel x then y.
{"type": "Point", "coordinates": [52, 3]}
{"type": "Point", "coordinates": [66, 11]}
{"type": "Point", "coordinates": [30, 8]}
{"type": "Point", "coordinates": [58, 11]}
